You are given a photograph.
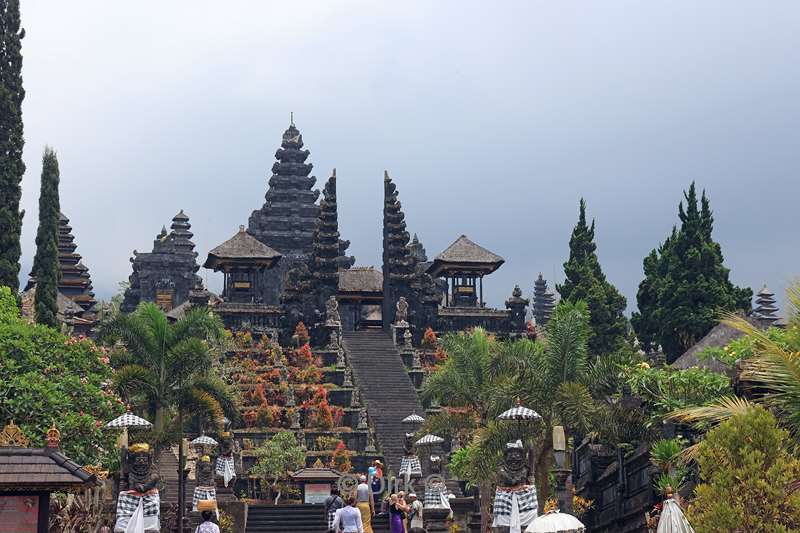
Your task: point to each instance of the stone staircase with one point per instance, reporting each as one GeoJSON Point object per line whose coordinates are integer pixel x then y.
{"type": "Point", "coordinates": [286, 519]}
{"type": "Point", "coordinates": [385, 386]}
{"type": "Point", "coordinates": [168, 470]}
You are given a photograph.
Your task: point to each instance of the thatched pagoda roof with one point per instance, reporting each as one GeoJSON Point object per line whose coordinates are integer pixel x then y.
{"type": "Point", "coordinates": [465, 256]}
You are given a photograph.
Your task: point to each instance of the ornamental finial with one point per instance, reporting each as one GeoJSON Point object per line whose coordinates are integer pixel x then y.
{"type": "Point", "coordinates": [53, 436]}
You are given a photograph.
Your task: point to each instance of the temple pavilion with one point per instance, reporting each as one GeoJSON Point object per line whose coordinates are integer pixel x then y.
{"type": "Point", "coordinates": [463, 265]}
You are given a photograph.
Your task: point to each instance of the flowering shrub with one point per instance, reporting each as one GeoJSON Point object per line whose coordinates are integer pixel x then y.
{"type": "Point", "coordinates": [47, 376]}
{"type": "Point", "coordinates": [319, 413]}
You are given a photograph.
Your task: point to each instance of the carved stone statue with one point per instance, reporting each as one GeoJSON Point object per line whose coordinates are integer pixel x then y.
{"type": "Point", "coordinates": [436, 464]}
{"type": "Point", "coordinates": [401, 315]}
{"type": "Point", "coordinates": [333, 340]}
{"type": "Point", "coordinates": [408, 444]}
{"type": "Point", "coordinates": [142, 488]}
{"type": "Point", "coordinates": [410, 466]}
{"type": "Point", "coordinates": [332, 312]}
{"type": "Point", "coordinates": [407, 340]}
{"type": "Point", "coordinates": [141, 476]}
{"type": "Point", "coordinates": [513, 470]}
{"type": "Point", "coordinates": [348, 377]}
{"type": "Point", "coordinates": [515, 503]}
{"type": "Point", "coordinates": [362, 419]}
{"type": "Point", "coordinates": [340, 360]}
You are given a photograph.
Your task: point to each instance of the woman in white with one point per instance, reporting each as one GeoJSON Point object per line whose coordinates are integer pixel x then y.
{"type": "Point", "coordinates": [348, 518]}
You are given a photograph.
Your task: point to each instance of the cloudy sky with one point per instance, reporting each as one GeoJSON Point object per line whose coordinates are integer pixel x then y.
{"type": "Point", "coordinates": [494, 118]}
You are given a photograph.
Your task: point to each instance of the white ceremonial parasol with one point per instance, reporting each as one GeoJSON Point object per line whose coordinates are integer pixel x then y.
{"type": "Point", "coordinates": [204, 439]}
{"type": "Point", "coordinates": [129, 420]}
{"type": "Point", "coordinates": [429, 439]}
{"type": "Point", "coordinates": [555, 522]}
{"type": "Point", "coordinates": [413, 418]}
{"type": "Point", "coordinates": [519, 413]}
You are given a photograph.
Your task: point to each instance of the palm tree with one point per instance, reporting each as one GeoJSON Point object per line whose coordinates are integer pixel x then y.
{"type": "Point", "coordinates": [164, 366]}
{"type": "Point", "coordinates": [773, 372]}
{"type": "Point", "coordinates": [465, 381]}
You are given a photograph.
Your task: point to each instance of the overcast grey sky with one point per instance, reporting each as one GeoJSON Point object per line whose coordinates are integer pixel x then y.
{"type": "Point", "coordinates": [494, 118]}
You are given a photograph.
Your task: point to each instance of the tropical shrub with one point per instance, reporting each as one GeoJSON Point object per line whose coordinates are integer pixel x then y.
{"type": "Point", "coordinates": [666, 389]}
{"type": "Point", "coordinates": [46, 377]}
{"type": "Point", "coordinates": [276, 459]}
{"type": "Point", "coordinates": [747, 473]}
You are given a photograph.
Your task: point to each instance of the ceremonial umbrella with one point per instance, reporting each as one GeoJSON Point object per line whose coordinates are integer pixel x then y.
{"type": "Point", "coordinates": [429, 440]}
{"type": "Point", "coordinates": [129, 420]}
{"type": "Point", "coordinates": [519, 412]}
{"type": "Point", "coordinates": [672, 519]}
{"type": "Point", "coordinates": [413, 418]}
{"type": "Point", "coordinates": [204, 439]}
{"type": "Point", "coordinates": [555, 522]}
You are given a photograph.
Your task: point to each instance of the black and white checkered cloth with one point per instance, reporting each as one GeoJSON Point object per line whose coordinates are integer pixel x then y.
{"type": "Point", "coordinates": [410, 466]}
{"type": "Point", "coordinates": [436, 495]}
{"type": "Point", "coordinates": [203, 493]}
{"type": "Point", "coordinates": [331, 518]}
{"type": "Point", "coordinates": [225, 469]}
{"type": "Point", "coordinates": [128, 502]}
{"type": "Point", "coordinates": [129, 420]}
{"type": "Point", "coordinates": [526, 501]}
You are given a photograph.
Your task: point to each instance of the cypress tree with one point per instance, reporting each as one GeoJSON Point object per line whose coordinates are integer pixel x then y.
{"type": "Point", "coordinates": [11, 142]}
{"type": "Point", "coordinates": [585, 281]}
{"type": "Point", "coordinates": [686, 285]}
{"type": "Point", "coordinates": [45, 264]}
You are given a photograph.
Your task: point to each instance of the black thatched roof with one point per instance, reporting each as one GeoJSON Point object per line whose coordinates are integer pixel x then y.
{"type": "Point", "coordinates": [360, 280]}
{"type": "Point", "coordinates": [719, 336]}
{"type": "Point", "coordinates": [40, 469]}
{"type": "Point", "coordinates": [465, 255]}
{"type": "Point", "coordinates": [242, 248]}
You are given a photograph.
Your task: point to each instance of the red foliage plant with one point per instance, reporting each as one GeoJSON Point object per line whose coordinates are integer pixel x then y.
{"type": "Point", "coordinates": [340, 459]}
{"type": "Point", "coordinates": [429, 339]}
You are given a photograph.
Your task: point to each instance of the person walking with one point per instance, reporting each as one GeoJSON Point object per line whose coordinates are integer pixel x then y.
{"type": "Point", "coordinates": [333, 503]}
{"type": "Point", "coordinates": [365, 503]}
{"type": "Point", "coordinates": [416, 523]}
{"type": "Point", "coordinates": [207, 526]}
{"type": "Point", "coordinates": [348, 518]}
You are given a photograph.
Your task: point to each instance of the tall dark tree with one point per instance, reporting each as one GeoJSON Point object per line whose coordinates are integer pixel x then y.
{"type": "Point", "coordinates": [46, 268]}
{"type": "Point", "coordinates": [11, 142]}
{"type": "Point", "coordinates": [686, 285]}
{"type": "Point", "coordinates": [585, 281]}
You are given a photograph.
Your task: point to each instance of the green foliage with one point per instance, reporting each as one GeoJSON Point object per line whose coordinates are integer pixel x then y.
{"type": "Point", "coordinates": [12, 141]}
{"type": "Point", "coordinates": [8, 305]}
{"type": "Point", "coordinates": [686, 285]}
{"type": "Point", "coordinates": [667, 455]}
{"type": "Point", "coordinates": [744, 347]}
{"type": "Point", "coordinates": [277, 458]}
{"type": "Point", "coordinates": [665, 389]}
{"type": "Point", "coordinates": [166, 365]}
{"type": "Point", "coordinates": [585, 281]}
{"type": "Point", "coordinates": [46, 376]}
{"type": "Point", "coordinates": [46, 269]}
{"type": "Point", "coordinates": [746, 471]}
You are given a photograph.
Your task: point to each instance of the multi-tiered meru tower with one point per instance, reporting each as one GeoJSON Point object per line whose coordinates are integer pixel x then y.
{"type": "Point", "coordinates": [288, 217]}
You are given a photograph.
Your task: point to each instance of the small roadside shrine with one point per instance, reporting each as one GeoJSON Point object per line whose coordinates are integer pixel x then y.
{"type": "Point", "coordinates": [316, 482]}
{"type": "Point", "coordinates": [29, 475]}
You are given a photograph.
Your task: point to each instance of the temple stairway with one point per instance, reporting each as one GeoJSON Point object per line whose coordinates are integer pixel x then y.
{"type": "Point", "coordinates": [385, 386]}
{"type": "Point", "coordinates": [286, 519]}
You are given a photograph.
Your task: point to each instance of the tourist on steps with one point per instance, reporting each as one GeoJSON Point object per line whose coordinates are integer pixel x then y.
{"type": "Point", "coordinates": [365, 503]}
{"type": "Point", "coordinates": [397, 514]}
{"type": "Point", "coordinates": [348, 518]}
{"type": "Point", "coordinates": [333, 503]}
{"type": "Point", "coordinates": [415, 521]}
